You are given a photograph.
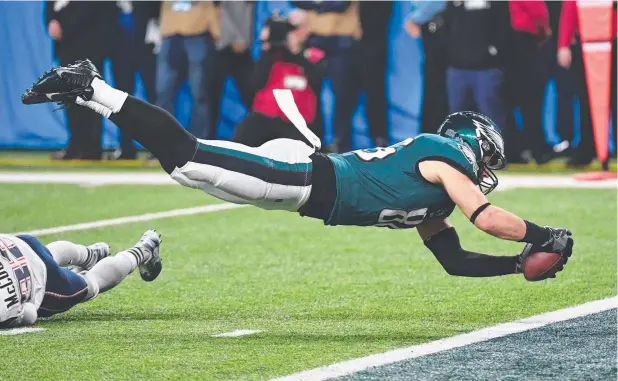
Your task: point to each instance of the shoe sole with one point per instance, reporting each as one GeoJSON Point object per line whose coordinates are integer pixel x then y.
{"type": "Point", "coordinates": [157, 268]}
{"type": "Point", "coordinates": [154, 273]}
{"type": "Point", "coordinates": [36, 98]}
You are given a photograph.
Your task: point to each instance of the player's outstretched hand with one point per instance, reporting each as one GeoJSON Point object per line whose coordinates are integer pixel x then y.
{"type": "Point", "coordinates": [560, 241]}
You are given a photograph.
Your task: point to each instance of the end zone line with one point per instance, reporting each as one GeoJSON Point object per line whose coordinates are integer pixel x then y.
{"type": "Point", "coordinates": [356, 365]}
{"type": "Point", "coordinates": [19, 331]}
{"type": "Point", "coordinates": [131, 219]}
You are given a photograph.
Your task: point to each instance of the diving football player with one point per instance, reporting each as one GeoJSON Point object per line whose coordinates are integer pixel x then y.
{"type": "Point", "coordinates": [413, 184]}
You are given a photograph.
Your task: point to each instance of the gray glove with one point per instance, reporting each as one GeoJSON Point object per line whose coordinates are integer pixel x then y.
{"type": "Point", "coordinates": [560, 241]}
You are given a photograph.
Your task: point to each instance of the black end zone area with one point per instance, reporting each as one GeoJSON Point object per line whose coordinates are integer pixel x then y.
{"type": "Point", "coordinates": [578, 349]}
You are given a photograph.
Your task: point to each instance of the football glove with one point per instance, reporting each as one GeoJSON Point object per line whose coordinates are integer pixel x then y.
{"type": "Point", "coordinates": [529, 249]}
{"type": "Point", "coordinates": [560, 241]}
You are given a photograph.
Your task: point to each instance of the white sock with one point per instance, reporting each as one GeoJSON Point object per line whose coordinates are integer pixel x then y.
{"type": "Point", "coordinates": [110, 271]}
{"type": "Point", "coordinates": [107, 96]}
{"type": "Point", "coordinates": [67, 253]}
{"type": "Point", "coordinates": [98, 108]}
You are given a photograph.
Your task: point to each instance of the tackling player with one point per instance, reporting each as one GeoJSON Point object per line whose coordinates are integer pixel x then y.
{"type": "Point", "coordinates": [413, 184]}
{"type": "Point", "coordinates": [35, 281]}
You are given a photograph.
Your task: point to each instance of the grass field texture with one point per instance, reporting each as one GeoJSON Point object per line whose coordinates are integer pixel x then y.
{"type": "Point", "coordinates": [319, 294]}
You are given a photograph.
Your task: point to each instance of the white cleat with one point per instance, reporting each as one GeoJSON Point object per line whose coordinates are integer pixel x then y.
{"type": "Point", "coordinates": [150, 242]}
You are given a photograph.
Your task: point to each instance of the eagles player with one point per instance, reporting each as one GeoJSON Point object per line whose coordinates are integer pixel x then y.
{"type": "Point", "coordinates": [35, 280]}
{"type": "Point", "coordinates": [413, 184]}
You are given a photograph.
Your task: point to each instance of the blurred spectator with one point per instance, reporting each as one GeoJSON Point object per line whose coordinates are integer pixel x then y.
{"type": "Point", "coordinates": [334, 27]}
{"type": "Point", "coordinates": [476, 43]}
{"type": "Point", "coordinates": [562, 80]}
{"type": "Point", "coordinates": [372, 64]}
{"type": "Point", "coordinates": [284, 64]}
{"type": "Point", "coordinates": [83, 30]}
{"type": "Point", "coordinates": [570, 57]}
{"type": "Point", "coordinates": [526, 80]}
{"type": "Point", "coordinates": [234, 55]}
{"type": "Point", "coordinates": [189, 30]}
{"type": "Point", "coordinates": [135, 54]}
{"type": "Point", "coordinates": [426, 21]}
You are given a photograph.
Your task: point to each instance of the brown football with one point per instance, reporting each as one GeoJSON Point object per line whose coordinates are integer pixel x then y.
{"type": "Point", "coordinates": [540, 265]}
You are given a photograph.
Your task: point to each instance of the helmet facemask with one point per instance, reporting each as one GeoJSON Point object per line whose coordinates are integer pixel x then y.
{"type": "Point", "coordinates": [492, 158]}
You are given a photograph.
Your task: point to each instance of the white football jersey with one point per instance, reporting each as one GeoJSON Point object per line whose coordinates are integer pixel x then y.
{"type": "Point", "coordinates": [22, 278]}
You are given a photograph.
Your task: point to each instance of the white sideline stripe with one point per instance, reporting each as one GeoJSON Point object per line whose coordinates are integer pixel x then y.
{"type": "Point", "coordinates": [86, 178]}
{"type": "Point", "coordinates": [160, 178]}
{"type": "Point", "coordinates": [352, 366]}
{"type": "Point", "coordinates": [19, 331]}
{"type": "Point", "coordinates": [238, 332]}
{"type": "Point", "coordinates": [131, 219]}
{"type": "Point", "coordinates": [511, 182]}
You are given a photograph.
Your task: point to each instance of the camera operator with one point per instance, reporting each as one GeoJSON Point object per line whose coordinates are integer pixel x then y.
{"type": "Point", "coordinates": [284, 64]}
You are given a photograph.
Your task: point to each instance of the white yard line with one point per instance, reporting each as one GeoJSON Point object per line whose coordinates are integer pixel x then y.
{"type": "Point", "coordinates": [352, 366]}
{"type": "Point", "coordinates": [161, 178]}
{"type": "Point", "coordinates": [19, 331]}
{"type": "Point", "coordinates": [131, 219]}
{"type": "Point", "coordinates": [561, 181]}
{"type": "Point", "coordinates": [87, 178]}
{"type": "Point", "coordinates": [238, 333]}
{"type": "Point", "coordinates": [93, 178]}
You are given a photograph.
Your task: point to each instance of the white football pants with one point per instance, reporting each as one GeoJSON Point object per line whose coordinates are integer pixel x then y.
{"type": "Point", "coordinates": [276, 175]}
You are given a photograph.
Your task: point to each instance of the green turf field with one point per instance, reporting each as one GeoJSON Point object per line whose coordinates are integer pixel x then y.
{"type": "Point", "coordinates": [320, 295]}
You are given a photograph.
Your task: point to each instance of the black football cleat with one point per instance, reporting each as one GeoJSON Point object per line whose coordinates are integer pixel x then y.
{"type": "Point", "coordinates": [63, 84]}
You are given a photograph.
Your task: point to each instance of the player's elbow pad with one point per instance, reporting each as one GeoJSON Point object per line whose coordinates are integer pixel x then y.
{"type": "Point", "coordinates": [446, 247]}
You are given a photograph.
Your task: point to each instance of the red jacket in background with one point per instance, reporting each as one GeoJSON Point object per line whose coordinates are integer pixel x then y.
{"type": "Point", "coordinates": [530, 17]}
{"type": "Point", "coordinates": [296, 73]}
{"type": "Point", "coordinates": [569, 23]}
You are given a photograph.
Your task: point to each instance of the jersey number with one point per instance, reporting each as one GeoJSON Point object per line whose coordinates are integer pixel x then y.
{"type": "Point", "coordinates": [400, 219]}
{"type": "Point", "coordinates": [18, 262]}
{"type": "Point", "coordinates": [380, 153]}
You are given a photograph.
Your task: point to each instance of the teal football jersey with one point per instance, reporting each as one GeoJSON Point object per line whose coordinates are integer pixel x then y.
{"type": "Point", "coordinates": [383, 187]}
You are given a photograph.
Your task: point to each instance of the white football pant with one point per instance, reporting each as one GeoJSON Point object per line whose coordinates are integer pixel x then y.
{"type": "Point", "coordinates": [276, 175]}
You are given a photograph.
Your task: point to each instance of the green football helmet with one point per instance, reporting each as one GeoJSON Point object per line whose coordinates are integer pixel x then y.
{"type": "Point", "coordinates": [481, 135]}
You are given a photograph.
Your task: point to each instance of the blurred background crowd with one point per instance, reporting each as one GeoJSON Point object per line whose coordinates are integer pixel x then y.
{"type": "Point", "coordinates": [214, 64]}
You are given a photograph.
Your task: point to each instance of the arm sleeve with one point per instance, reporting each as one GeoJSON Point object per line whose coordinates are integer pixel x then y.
{"type": "Point", "coordinates": [421, 12]}
{"type": "Point", "coordinates": [232, 26]}
{"type": "Point", "coordinates": [568, 24]}
{"type": "Point", "coordinates": [536, 11]}
{"type": "Point", "coordinates": [447, 249]}
{"type": "Point", "coordinates": [539, 13]}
